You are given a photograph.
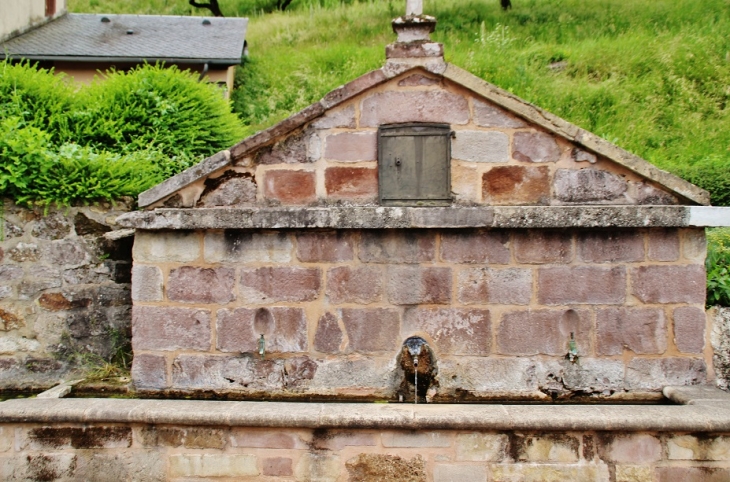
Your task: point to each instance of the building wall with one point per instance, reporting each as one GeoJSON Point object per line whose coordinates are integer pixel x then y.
{"type": "Point", "coordinates": [168, 452]}
{"type": "Point", "coordinates": [21, 15]}
{"type": "Point", "coordinates": [497, 307]}
{"type": "Point", "coordinates": [64, 292]}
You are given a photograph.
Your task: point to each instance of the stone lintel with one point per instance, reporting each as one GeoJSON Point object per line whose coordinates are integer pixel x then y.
{"type": "Point", "coordinates": [693, 417]}
{"type": "Point", "coordinates": [371, 217]}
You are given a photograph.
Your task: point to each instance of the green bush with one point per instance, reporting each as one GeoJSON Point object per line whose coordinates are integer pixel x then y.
{"type": "Point", "coordinates": [718, 267]}
{"type": "Point", "coordinates": [712, 174]}
{"type": "Point", "coordinates": [153, 107]}
{"type": "Point", "coordinates": [38, 97]}
{"type": "Point", "coordinates": [34, 172]}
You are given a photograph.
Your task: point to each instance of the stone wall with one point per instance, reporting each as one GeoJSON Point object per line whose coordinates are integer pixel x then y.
{"type": "Point", "coordinates": [64, 291]}
{"type": "Point", "coordinates": [496, 306]}
{"type": "Point", "coordinates": [111, 452]}
{"type": "Point", "coordinates": [496, 157]}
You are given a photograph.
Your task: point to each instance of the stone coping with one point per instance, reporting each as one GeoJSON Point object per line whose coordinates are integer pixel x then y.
{"type": "Point", "coordinates": [375, 217]}
{"type": "Point", "coordinates": [705, 409]}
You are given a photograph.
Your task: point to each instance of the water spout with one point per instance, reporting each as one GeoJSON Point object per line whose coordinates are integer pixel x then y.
{"type": "Point", "coordinates": [418, 364]}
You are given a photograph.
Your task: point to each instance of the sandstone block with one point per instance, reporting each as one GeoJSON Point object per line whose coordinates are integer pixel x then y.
{"type": "Point", "coordinates": [655, 374]}
{"type": "Point", "coordinates": [663, 244]}
{"type": "Point", "coordinates": [669, 284]}
{"type": "Point", "coordinates": [164, 246]}
{"type": "Point", "coordinates": [458, 473]}
{"type": "Point", "coordinates": [481, 447]}
{"type": "Point", "coordinates": [356, 183]}
{"type": "Point", "coordinates": [641, 330]}
{"type": "Point", "coordinates": [415, 106]}
{"type": "Point", "coordinates": [610, 246]}
{"type": "Point", "coordinates": [546, 448]}
{"type": "Point", "coordinates": [161, 328]}
{"type": "Point", "coordinates": [535, 146]}
{"type": "Point", "coordinates": [475, 247]}
{"type": "Point", "coordinates": [318, 467]}
{"type": "Point", "coordinates": [550, 472]}
{"type": "Point", "coordinates": [351, 146]}
{"type": "Point", "coordinates": [213, 465]}
{"type": "Point", "coordinates": [146, 283]}
{"type": "Point", "coordinates": [516, 185]}
{"type": "Point", "coordinates": [487, 374]}
{"type": "Point", "coordinates": [289, 150]}
{"type": "Point", "coordinates": [336, 440]}
{"type": "Point", "coordinates": [61, 301]}
{"type": "Point", "coordinates": [416, 439]}
{"type": "Point", "coordinates": [360, 285]}
{"type": "Point", "coordinates": [188, 437]}
{"type": "Point", "coordinates": [694, 244]}
{"type": "Point", "coordinates": [634, 473]}
{"type": "Point", "coordinates": [410, 285]}
{"type": "Point", "coordinates": [543, 246]}
{"type": "Point", "coordinates": [397, 246]}
{"type": "Point", "coordinates": [247, 247]}
{"type": "Point", "coordinates": [489, 115]}
{"type": "Point", "coordinates": [212, 372]}
{"type": "Point", "coordinates": [692, 474]}
{"type": "Point", "coordinates": [545, 332]}
{"type": "Point", "coordinates": [464, 183]}
{"type": "Point", "coordinates": [512, 286]}
{"type": "Point", "coordinates": [371, 330]}
{"type": "Point", "coordinates": [277, 466]}
{"type": "Point", "coordinates": [689, 329]}
{"type": "Point", "coordinates": [343, 117]}
{"type": "Point", "coordinates": [324, 247]}
{"type": "Point", "coordinates": [189, 284]}
{"type": "Point", "coordinates": [29, 289]}
{"type": "Point", "coordinates": [480, 146]}
{"type": "Point", "coordinates": [328, 336]}
{"type": "Point", "coordinates": [284, 329]}
{"type": "Point", "coordinates": [265, 439]}
{"type": "Point", "coordinates": [588, 186]}
{"type": "Point", "coordinates": [454, 331]}
{"type": "Point", "coordinates": [362, 373]}
{"type": "Point", "coordinates": [94, 437]}
{"type": "Point", "coordinates": [630, 449]}
{"type": "Point", "coordinates": [149, 371]}
{"type": "Point", "coordinates": [272, 284]}
{"type": "Point", "coordinates": [235, 190]}
{"type": "Point", "coordinates": [688, 447]}
{"type": "Point", "coordinates": [378, 467]}
{"type": "Point", "coordinates": [290, 187]}
{"type": "Point", "coordinates": [582, 285]}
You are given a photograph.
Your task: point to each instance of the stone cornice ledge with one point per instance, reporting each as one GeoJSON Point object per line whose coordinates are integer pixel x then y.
{"type": "Point", "coordinates": [706, 409]}
{"type": "Point", "coordinates": [374, 217]}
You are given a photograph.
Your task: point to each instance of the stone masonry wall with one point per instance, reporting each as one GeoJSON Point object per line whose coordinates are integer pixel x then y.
{"type": "Point", "coordinates": [166, 452]}
{"type": "Point", "coordinates": [64, 291]}
{"type": "Point", "coordinates": [497, 308]}
{"type": "Point", "coordinates": [497, 158]}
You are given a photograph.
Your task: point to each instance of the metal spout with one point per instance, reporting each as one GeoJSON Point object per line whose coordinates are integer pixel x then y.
{"type": "Point", "coordinates": [262, 346]}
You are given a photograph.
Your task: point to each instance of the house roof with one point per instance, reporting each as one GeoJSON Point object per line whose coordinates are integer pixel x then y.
{"type": "Point", "coordinates": [133, 38]}
{"type": "Point", "coordinates": [498, 96]}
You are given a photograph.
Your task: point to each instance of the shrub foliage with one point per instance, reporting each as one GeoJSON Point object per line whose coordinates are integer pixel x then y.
{"type": "Point", "coordinates": [718, 267]}
{"type": "Point", "coordinates": [116, 137]}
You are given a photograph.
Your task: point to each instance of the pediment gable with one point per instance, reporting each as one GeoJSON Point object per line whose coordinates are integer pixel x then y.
{"type": "Point", "coordinates": [504, 151]}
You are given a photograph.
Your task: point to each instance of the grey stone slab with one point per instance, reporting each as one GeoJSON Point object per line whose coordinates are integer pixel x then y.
{"type": "Point", "coordinates": [687, 395]}
{"type": "Point", "coordinates": [369, 217]}
{"type": "Point", "coordinates": [467, 417]}
{"type": "Point", "coordinates": [375, 415]}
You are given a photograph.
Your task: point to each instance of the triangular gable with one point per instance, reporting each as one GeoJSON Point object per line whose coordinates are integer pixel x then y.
{"type": "Point", "coordinates": [594, 172]}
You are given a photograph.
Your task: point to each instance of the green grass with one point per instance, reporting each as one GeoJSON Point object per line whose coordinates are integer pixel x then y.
{"type": "Point", "coordinates": [652, 76]}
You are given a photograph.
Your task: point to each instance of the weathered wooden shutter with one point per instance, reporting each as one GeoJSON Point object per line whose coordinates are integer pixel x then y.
{"type": "Point", "coordinates": [414, 164]}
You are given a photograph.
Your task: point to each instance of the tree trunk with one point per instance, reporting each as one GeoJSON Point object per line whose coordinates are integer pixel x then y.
{"type": "Point", "coordinates": [212, 6]}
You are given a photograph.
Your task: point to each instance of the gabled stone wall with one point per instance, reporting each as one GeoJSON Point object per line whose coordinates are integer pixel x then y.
{"type": "Point", "coordinates": [496, 306]}
{"type": "Point", "coordinates": [497, 157]}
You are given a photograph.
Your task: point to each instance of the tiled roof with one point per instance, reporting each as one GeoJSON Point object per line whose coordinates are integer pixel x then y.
{"type": "Point", "coordinates": [153, 37]}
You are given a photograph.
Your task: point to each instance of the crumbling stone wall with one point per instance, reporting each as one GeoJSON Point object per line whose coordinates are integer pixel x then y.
{"type": "Point", "coordinates": [169, 452]}
{"type": "Point", "coordinates": [64, 291]}
{"type": "Point", "coordinates": [496, 306]}
{"type": "Point", "coordinates": [497, 158]}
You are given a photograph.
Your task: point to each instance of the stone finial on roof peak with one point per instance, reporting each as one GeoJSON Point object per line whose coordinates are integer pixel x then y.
{"type": "Point", "coordinates": [414, 7]}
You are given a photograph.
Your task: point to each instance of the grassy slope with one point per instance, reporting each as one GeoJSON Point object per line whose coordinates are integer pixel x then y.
{"type": "Point", "coordinates": [651, 75]}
